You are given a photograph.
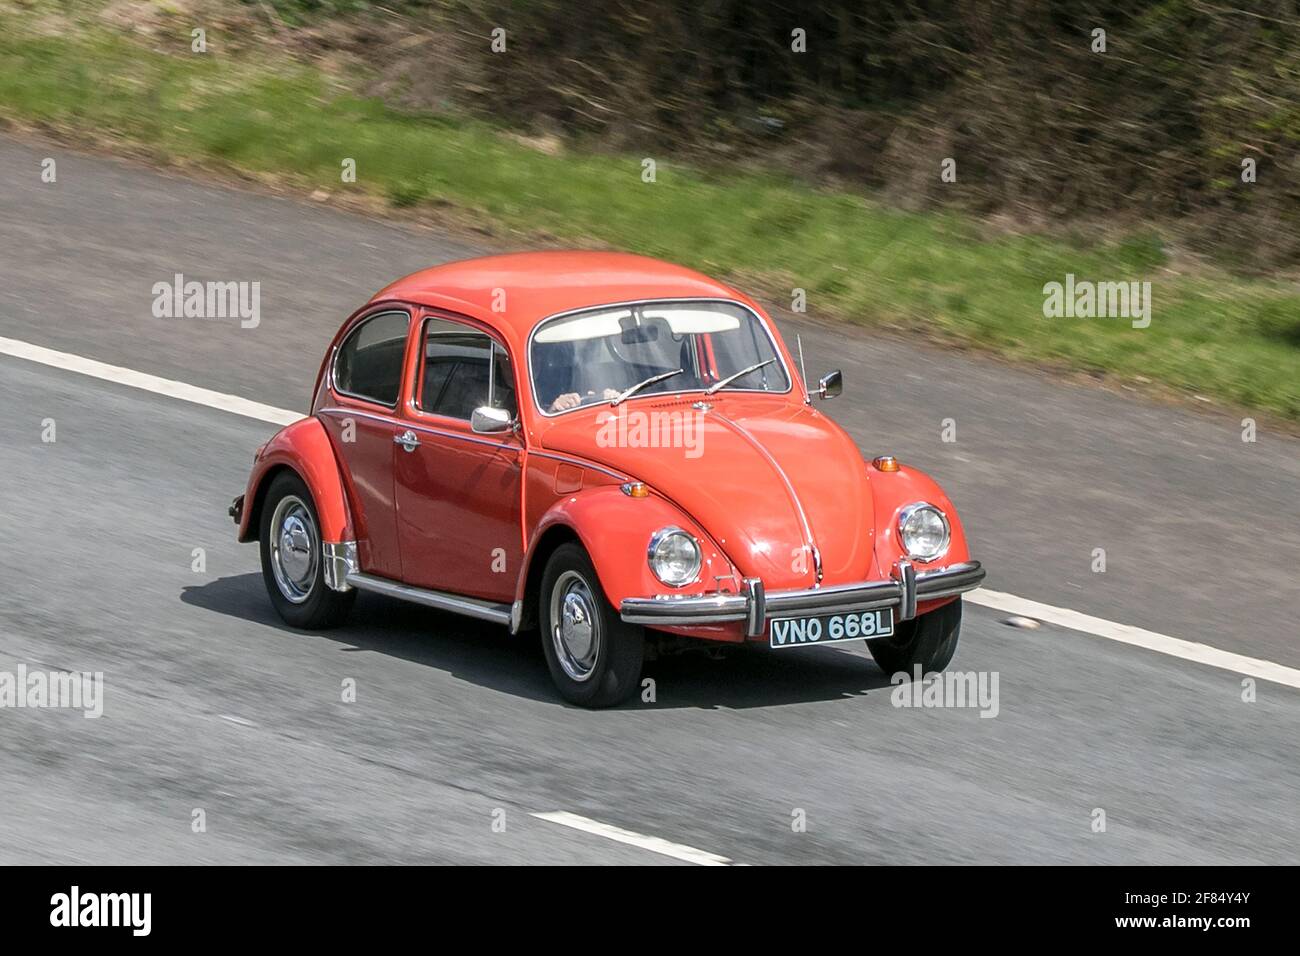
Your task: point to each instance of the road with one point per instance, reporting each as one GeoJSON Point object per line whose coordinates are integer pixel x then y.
{"type": "Point", "coordinates": [210, 704]}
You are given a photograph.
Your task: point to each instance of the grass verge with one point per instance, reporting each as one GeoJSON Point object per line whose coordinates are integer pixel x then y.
{"type": "Point", "coordinates": [1228, 338]}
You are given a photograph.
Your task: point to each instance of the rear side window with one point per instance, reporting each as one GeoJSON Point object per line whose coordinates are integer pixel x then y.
{"type": "Point", "coordinates": [463, 370]}
{"type": "Point", "coordinates": [369, 362]}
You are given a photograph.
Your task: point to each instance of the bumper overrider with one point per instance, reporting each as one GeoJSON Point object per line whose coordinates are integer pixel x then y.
{"type": "Point", "coordinates": [905, 588]}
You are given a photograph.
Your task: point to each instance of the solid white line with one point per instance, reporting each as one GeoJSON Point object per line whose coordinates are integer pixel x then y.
{"type": "Point", "coordinates": [997, 600]}
{"type": "Point", "coordinates": [149, 383]}
{"type": "Point", "coordinates": [1126, 634]}
{"type": "Point", "coordinates": [677, 851]}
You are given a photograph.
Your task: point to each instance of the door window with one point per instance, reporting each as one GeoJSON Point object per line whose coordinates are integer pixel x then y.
{"type": "Point", "coordinates": [369, 362]}
{"type": "Point", "coordinates": [463, 369]}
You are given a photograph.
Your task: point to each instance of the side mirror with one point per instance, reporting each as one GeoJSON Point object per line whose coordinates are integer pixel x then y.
{"type": "Point", "coordinates": [831, 384]}
{"type": "Point", "coordinates": [487, 420]}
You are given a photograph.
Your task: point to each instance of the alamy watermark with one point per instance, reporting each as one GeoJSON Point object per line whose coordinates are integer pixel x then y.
{"type": "Point", "coordinates": [74, 690]}
{"type": "Point", "coordinates": [1084, 299]}
{"type": "Point", "coordinates": [180, 299]}
{"type": "Point", "coordinates": [957, 689]}
{"type": "Point", "coordinates": [129, 910]}
{"type": "Point", "coordinates": [656, 429]}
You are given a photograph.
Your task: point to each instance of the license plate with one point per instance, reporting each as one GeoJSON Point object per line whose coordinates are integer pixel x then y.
{"type": "Point", "coordinates": [830, 628]}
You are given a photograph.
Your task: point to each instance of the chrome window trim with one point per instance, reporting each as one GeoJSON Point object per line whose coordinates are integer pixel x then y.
{"type": "Point", "coordinates": [331, 383]}
{"type": "Point", "coordinates": [771, 339]}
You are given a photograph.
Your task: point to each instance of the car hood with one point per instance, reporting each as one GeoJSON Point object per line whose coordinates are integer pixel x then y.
{"type": "Point", "coordinates": [766, 479]}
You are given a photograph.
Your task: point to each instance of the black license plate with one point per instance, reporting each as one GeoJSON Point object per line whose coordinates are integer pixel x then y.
{"type": "Point", "coordinates": [830, 628]}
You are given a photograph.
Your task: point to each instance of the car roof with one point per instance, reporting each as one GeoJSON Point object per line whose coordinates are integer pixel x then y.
{"type": "Point", "coordinates": [541, 284]}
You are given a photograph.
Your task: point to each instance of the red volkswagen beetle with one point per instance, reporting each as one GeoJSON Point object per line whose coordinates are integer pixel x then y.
{"type": "Point", "coordinates": [608, 449]}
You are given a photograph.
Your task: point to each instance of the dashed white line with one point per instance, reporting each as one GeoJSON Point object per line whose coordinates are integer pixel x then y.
{"type": "Point", "coordinates": [237, 720]}
{"type": "Point", "coordinates": [678, 851]}
{"type": "Point", "coordinates": [999, 601]}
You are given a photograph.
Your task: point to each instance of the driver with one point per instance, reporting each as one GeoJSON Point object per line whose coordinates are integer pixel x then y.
{"type": "Point", "coordinates": [573, 399]}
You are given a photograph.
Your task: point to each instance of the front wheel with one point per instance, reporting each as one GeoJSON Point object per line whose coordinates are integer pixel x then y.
{"type": "Point", "coordinates": [594, 656]}
{"type": "Point", "coordinates": [928, 641]}
{"type": "Point", "coordinates": [293, 565]}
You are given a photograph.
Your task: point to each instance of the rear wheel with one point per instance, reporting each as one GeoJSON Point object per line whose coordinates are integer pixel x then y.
{"type": "Point", "coordinates": [594, 656]}
{"type": "Point", "coordinates": [929, 641]}
{"type": "Point", "coordinates": [293, 565]}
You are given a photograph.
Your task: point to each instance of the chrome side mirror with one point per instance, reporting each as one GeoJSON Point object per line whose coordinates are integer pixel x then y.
{"type": "Point", "coordinates": [831, 384]}
{"type": "Point", "coordinates": [487, 420]}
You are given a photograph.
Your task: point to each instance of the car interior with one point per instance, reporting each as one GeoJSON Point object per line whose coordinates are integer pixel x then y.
{"type": "Point", "coordinates": [456, 378]}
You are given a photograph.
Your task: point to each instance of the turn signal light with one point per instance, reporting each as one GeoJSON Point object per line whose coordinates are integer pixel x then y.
{"type": "Point", "coordinates": [885, 463]}
{"type": "Point", "coordinates": [635, 489]}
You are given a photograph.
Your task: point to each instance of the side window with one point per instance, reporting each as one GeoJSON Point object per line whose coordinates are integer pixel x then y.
{"type": "Point", "coordinates": [463, 369]}
{"type": "Point", "coordinates": [369, 362]}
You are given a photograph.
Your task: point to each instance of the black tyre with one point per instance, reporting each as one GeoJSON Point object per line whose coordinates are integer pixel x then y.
{"type": "Point", "coordinates": [293, 564]}
{"type": "Point", "coordinates": [594, 657]}
{"type": "Point", "coordinates": [929, 640]}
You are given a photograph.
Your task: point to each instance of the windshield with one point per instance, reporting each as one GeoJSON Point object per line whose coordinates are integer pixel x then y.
{"type": "Point", "coordinates": [594, 356]}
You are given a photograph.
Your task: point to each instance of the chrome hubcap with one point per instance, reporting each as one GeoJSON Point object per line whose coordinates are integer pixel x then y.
{"type": "Point", "coordinates": [295, 549]}
{"type": "Point", "coordinates": [575, 625]}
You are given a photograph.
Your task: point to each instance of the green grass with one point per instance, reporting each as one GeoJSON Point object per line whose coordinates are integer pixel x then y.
{"type": "Point", "coordinates": [1234, 339]}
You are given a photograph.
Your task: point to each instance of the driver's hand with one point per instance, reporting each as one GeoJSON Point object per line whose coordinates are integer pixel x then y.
{"type": "Point", "coordinates": [567, 400]}
{"type": "Point", "coordinates": [609, 394]}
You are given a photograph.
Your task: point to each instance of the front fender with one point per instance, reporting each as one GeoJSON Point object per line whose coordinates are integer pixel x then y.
{"type": "Point", "coordinates": [305, 448]}
{"type": "Point", "coordinates": [615, 530]}
{"type": "Point", "coordinates": [894, 491]}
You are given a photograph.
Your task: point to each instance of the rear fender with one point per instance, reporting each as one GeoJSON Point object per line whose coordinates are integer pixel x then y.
{"type": "Point", "coordinates": [304, 448]}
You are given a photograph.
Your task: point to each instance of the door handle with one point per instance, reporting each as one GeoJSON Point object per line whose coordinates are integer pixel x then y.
{"type": "Point", "coordinates": [407, 440]}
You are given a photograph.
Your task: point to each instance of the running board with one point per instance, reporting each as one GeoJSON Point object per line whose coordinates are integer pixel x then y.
{"type": "Point", "coordinates": [470, 607]}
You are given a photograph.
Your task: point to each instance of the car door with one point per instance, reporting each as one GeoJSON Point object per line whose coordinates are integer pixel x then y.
{"type": "Point", "coordinates": [458, 492]}
{"type": "Point", "coordinates": [365, 385]}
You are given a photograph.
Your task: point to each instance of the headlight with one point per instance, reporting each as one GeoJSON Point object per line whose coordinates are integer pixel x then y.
{"type": "Point", "coordinates": [674, 557]}
{"type": "Point", "coordinates": [924, 531]}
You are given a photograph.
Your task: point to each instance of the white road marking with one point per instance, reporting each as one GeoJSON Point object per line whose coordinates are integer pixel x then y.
{"type": "Point", "coordinates": [677, 851]}
{"type": "Point", "coordinates": [1127, 634]}
{"type": "Point", "coordinates": [237, 720]}
{"type": "Point", "coordinates": [149, 383]}
{"type": "Point", "coordinates": [1062, 617]}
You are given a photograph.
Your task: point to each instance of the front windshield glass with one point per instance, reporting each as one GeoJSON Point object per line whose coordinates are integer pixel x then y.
{"type": "Point", "coordinates": [594, 356]}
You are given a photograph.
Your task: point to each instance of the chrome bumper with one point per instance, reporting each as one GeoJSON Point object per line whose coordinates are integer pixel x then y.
{"type": "Point", "coordinates": [904, 590]}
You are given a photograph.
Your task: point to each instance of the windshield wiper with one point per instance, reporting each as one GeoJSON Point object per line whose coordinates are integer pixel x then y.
{"type": "Point", "coordinates": [629, 392]}
{"type": "Point", "coordinates": [731, 378]}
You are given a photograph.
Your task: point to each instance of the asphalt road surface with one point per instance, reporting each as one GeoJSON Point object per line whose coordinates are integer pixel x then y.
{"type": "Point", "coordinates": [211, 705]}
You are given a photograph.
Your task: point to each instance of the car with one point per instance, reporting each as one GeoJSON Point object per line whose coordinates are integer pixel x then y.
{"type": "Point", "coordinates": [616, 452]}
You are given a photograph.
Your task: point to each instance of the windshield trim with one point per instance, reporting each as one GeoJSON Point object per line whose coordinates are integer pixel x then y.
{"type": "Point", "coordinates": [762, 323]}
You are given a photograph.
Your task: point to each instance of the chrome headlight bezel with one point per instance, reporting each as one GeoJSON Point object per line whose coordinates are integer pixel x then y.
{"type": "Point", "coordinates": [664, 536]}
{"type": "Point", "coordinates": [917, 554]}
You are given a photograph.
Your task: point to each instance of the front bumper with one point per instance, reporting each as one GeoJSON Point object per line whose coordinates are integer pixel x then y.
{"type": "Point", "coordinates": [755, 607]}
